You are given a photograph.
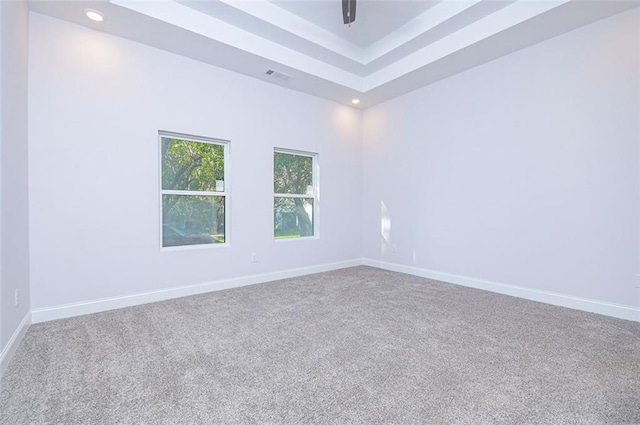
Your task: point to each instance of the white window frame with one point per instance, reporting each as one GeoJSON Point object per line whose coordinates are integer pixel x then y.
{"type": "Point", "coordinates": [225, 192]}
{"type": "Point", "coordinates": [315, 166]}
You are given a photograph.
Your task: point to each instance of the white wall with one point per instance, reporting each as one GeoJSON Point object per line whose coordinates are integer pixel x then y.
{"type": "Point", "coordinates": [96, 105]}
{"type": "Point", "coordinates": [522, 171]}
{"type": "Point", "coordinates": [14, 240]}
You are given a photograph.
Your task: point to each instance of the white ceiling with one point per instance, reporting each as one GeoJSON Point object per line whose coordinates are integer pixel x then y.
{"type": "Point", "coordinates": [393, 47]}
{"type": "Point", "coordinates": [375, 18]}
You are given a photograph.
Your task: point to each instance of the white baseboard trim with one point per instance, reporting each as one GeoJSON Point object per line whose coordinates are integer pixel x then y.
{"type": "Point", "coordinates": [562, 300]}
{"type": "Point", "coordinates": [7, 353]}
{"type": "Point", "coordinates": [95, 306]}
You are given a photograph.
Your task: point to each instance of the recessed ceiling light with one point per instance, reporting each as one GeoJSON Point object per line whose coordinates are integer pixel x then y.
{"type": "Point", "coordinates": [355, 101]}
{"type": "Point", "coordinates": [94, 15]}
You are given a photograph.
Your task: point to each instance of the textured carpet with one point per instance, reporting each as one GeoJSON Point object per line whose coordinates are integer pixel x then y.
{"type": "Point", "coordinates": [359, 345]}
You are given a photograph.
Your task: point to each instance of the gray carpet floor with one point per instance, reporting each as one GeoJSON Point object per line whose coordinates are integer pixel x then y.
{"type": "Point", "coordinates": [353, 346]}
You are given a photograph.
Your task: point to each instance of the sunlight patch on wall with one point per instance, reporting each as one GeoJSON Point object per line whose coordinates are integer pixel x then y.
{"type": "Point", "coordinates": [385, 228]}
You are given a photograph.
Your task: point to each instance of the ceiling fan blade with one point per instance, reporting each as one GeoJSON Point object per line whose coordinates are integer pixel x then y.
{"type": "Point", "coordinates": [348, 11]}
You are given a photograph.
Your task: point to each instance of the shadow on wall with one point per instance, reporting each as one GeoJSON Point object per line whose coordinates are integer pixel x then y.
{"type": "Point", "coordinates": [386, 245]}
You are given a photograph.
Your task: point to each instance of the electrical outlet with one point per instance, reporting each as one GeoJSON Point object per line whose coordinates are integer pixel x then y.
{"type": "Point", "coordinates": [638, 280]}
{"type": "Point", "coordinates": [254, 257]}
{"type": "Point", "coordinates": [16, 297]}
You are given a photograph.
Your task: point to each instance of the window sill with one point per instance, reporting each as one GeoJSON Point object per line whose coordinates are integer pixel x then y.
{"type": "Point", "coordinates": [193, 247]}
{"type": "Point", "coordinates": [305, 238]}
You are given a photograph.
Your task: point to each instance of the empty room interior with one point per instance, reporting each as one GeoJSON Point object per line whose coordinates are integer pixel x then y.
{"type": "Point", "coordinates": [320, 211]}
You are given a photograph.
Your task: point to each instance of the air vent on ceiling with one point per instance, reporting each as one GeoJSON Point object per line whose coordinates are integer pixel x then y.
{"type": "Point", "coordinates": [278, 75]}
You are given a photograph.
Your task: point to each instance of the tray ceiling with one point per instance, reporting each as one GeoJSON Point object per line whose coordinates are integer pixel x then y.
{"type": "Point", "coordinates": [393, 47]}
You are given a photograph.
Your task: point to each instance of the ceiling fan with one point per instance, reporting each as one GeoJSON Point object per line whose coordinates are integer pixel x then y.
{"type": "Point", "coordinates": [348, 11]}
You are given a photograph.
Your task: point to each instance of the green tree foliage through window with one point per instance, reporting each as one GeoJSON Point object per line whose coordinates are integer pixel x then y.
{"type": "Point", "coordinates": [293, 175]}
{"type": "Point", "coordinates": [193, 189]}
{"type": "Point", "coordinates": [193, 166]}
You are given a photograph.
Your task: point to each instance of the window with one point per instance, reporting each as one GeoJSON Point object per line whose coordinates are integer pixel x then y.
{"type": "Point", "coordinates": [194, 190]}
{"type": "Point", "coordinates": [295, 194]}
